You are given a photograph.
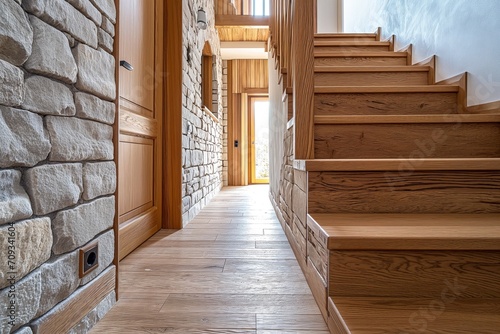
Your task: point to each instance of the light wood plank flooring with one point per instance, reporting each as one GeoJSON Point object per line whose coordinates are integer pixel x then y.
{"type": "Point", "coordinates": [231, 270]}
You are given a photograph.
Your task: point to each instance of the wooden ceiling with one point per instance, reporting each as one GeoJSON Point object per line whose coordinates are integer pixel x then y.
{"type": "Point", "coordinates": [243, 34]}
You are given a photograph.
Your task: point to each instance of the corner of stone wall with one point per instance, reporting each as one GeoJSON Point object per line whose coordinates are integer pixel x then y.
{"type": "Point", "coordinates": [57, 175]}
{"type": "Point", "coordinates": [202, 136]}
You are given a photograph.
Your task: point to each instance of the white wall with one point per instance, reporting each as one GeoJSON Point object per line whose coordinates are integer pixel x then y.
{"type": "Point", "coordinates": [327, 16]}
{"type": "Point", "coordinates": [463, 34]}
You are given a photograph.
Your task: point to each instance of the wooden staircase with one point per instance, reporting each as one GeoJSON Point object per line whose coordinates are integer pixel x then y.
{"type": "Point", "coordinates": [402, 233]}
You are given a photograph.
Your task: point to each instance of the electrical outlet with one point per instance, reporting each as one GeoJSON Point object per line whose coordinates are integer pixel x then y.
{"type": "Point", "coordinates": [89, 258]}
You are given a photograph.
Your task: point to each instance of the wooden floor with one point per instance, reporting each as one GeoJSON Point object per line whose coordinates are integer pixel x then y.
{"type": "Point", "coordinates": [231, 270]}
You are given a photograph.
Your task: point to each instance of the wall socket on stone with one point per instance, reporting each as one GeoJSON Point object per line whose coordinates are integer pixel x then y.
{"type": "Point", "coordinates": [89, 258]}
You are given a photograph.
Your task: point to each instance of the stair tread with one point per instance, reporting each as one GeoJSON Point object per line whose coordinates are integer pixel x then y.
{"type": "Point", "coordinates": [436, 164]}
{"type": "Point", "coordinates": [346, 54]}
{"type": "Point", "coordinates": [386, 89]}
{"type": "Point", "coordinates": [350, 69]}
{"type": "Point", "coordinates": [351, 43]}
{"type": "Point", "coordinates": [403, 119]}
{"type": "Point", "coordinates": [405, 231]}
{"type": "Point", "coordinates": [445, 314]}
{"type": "Point", "coordinates": [376, 315]}
{"type": "Point", "coordinates": [345, 34]}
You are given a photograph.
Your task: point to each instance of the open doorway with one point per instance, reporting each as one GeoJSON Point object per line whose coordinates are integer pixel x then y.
{"type": "Point", "coordinates": [259, 140]}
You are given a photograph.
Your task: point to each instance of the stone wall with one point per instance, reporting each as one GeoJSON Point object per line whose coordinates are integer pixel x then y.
{"type": "Point", "coordinates": [57, 175]}
{"type": "Point", "coordinates": [201, 134]}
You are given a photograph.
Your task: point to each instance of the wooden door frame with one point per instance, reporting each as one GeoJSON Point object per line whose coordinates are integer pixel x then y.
{"type": "Point", "coordinates": [251, 132]}
{"type": "Point", "coordinates": [172, 122]}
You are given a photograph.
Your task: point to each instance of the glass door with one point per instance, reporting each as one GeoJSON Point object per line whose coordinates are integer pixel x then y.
{"type": "Point", "coordinates": [259, 140]}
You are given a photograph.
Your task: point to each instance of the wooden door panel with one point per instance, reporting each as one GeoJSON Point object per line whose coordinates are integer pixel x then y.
{"type": "Point", "coordinates": [137, 34]}
{"type": "Point", "coordinates": [136, 194]}
{"type": "Point", "coordinates": [139, 149]}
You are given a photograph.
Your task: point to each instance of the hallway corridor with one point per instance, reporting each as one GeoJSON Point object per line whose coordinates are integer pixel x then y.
{"type": "Point", "coordinates": [230, 270]}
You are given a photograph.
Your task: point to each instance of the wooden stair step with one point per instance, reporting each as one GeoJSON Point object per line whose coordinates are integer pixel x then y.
{"type": "Point", "coordinates": [346, 36]}
{"type": "Point", "coordinates": [407, 188]}
{"type": "Point", "coordinates": [446, 314]}
{"type": "Point", "coordinates": [381, 58]}
{"type": "Point", "coordinates": [416, 137]}
{"type": "Point", "coordinates": [371, 75]}
{"type": "Point", "coordinates": [386, 100]}
{"type": "Point", "coordinates": [351, 46]}
{"type": "Point", "coordinates": [408, 231]}
{"type": "Point", "coordinates": [342, 165]}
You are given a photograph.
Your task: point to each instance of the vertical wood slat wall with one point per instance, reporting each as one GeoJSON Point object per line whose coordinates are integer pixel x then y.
{"type": "Point", "coordinates": [292, 24]}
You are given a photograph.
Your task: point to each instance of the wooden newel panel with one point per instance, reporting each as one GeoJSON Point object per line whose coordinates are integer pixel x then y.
{"type": "Point", "coordinates": [303, 77]}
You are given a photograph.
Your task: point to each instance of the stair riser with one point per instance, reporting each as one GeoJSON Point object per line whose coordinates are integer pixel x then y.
{"type": "Point", "coordinates": [360, 61]}
{"type": "Point", "coordinates": [385, 104]}
{"type": "Point", "coordinates": [372, 79]}
{"type": "Point", "coordinates": [353, 48]}
{"type": "Point", "coordinates": [424, 274]}
{"type": "Point", "coordinates": [407, 191]}
{"type": "Point", "coordinates": [413, 141]}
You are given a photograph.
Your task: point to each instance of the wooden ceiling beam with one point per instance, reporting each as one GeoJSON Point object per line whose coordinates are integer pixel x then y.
{"type": "Point", "coordinates": [241, 20]}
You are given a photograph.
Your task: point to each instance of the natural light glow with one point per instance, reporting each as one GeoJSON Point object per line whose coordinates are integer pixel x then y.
{"type": "Point", "coordinates": [260, 7]}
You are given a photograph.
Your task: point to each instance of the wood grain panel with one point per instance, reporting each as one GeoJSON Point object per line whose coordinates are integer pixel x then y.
{"type": "Point", "coordinates": [137, 179]}
{"type": "Point", "coordinates": [371, 79]}
{"type": "Point", "coordinates": [138, 85]}
{"type": "Point", "coordinates": [246, 34]}
{"type": "Point", "coordinates": [412, 192]}
{"type": "Point", "coordinates": [225, 7]}
{"type": "Point", "coordinates": [131, 123]}
{"type": "Point", "coordinates": [318, 288]}
{"type": "Point", "coordinates": [415, 141]}
{"type": "Point", "coordinates": [324, 59]}
{"type": "Point", "coordinates": [451, 315]}
{"type": "Point", "coordinates": [75, 309]}
{"type": "Point", "coordinates": [137, 230]}
{"type": "Point", "coordinates": [385, 104]}
{"type": "Point", "coordinates": [249, 73]}
{"type": "Point", "coordinates": [241, 20]}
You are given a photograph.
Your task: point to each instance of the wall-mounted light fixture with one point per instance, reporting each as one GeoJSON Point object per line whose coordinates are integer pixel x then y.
{"type": "Point", "coordinates": [201, 20]}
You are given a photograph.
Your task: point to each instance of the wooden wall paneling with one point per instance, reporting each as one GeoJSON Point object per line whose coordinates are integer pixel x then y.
{"type": "Point", "coordinates": [172, 153]}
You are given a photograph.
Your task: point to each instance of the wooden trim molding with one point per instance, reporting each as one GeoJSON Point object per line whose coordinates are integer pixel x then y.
{"type": "Point", "coordinates": [172, 153]}
{"type": "Point", "coordinates": [485, 108]}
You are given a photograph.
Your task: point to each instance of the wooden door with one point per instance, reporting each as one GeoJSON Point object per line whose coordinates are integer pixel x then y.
{"type": "Point", "coordinates": [140, 112]}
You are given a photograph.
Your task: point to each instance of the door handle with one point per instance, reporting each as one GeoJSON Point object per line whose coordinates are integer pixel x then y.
{"type": "Point", "coordinates": [126, 65]}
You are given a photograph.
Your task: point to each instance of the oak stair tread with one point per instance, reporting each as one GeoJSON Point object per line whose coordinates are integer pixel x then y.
{"type": "Point", "coordinates": [403, 119]}
{"type": "Point", "coordinates": [429, 164]}
{"type": "Point", "coordinates": [346, 35]}
{"type": "Point", "coordinates": [352, 69]}
{"type": "Point", "coordinates": [447, 314]}
{"type": "Point", "coordinates": [344, 54]}
{"type": "Point", "coordinates": [351, 43]}
{"type": "Point", "coordinates": [386, 89]}
{"type": "Point", "coordinates": [407, 231]}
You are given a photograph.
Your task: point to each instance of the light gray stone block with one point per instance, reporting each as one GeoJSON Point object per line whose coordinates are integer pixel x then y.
{"type": "Point", "coordinates": [11, 84]}
{"type": "Point", "coordinates": [32, 240]}
{"type": "Point", "coordinates": [108, 26]}
{"type": "Point", "coordinates": [75, 227]}
{"type": "Point", "coordinates": [16, 35]}
{"type": "Point", "coordinates": [77, 140]}
{"type": "Point", "coordinates": [48, 97]}
{"type": "Point", "coordinates": [54, 187]}
{"type": "Point", "coordinates": [91, 107]}
{"type": "Point", "coordinates": [99, 309]}
{"type": "Point", "coordinates": [96, 71]}
{"type": "Point", "coordinates": [99, 179]}
{"type": "Point", "coordinates": [14, 201]}
{"type": "Point", "coordinates": [27, 299]}
{"type": "Point", "coordinates": [65, 17]}
{"type": "Point", "coordinates": [86, 7]}
{"type": "Point", "coordinates": [105, 40]}
{"type": "Point", "coordinates": [17, 148]}
{"type": "Point", "coordinates": [51, 54]}
{"type": "Point", "coordinates": [107, 7]}
{"type": "Point", "coordinates": [106, 255]}
{"type": "Point", "coordinates": [60, 278]}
